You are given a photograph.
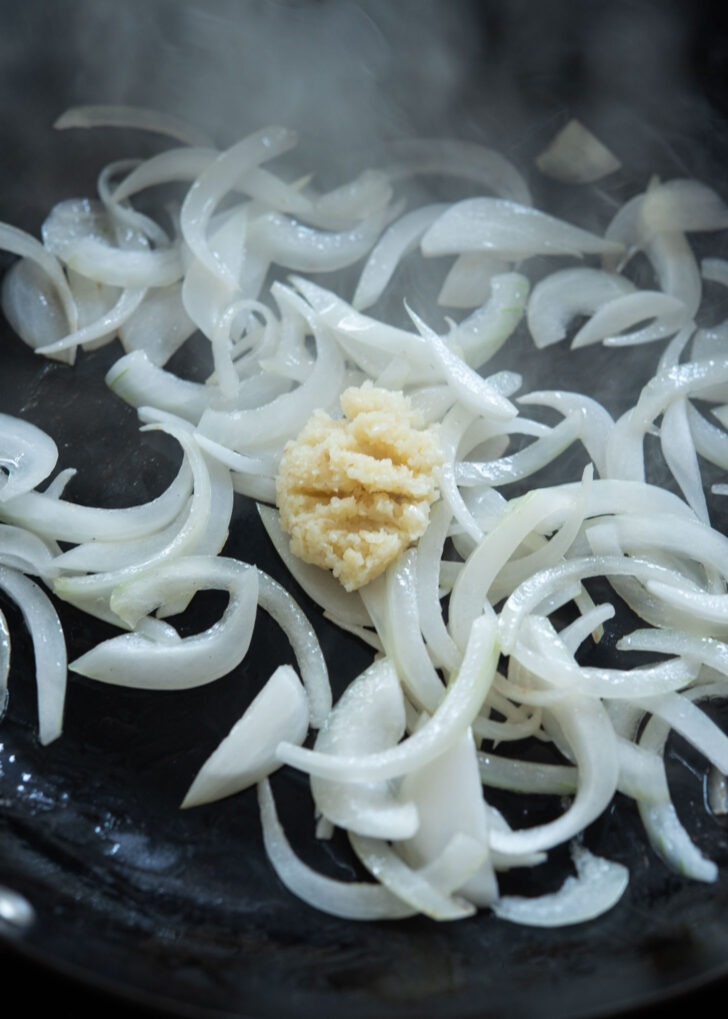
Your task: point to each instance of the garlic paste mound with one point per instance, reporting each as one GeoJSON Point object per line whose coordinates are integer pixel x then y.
{"type": "Point", "coordinates": [353, 493]}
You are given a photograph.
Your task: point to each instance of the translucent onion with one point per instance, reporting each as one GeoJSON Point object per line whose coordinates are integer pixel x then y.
{"type": "Point", "coordinates": [133, 659]}
{"type": "Point", "coordinates": [135, 117]}
{"type": "Point", "coordinates": [49, 648]}
{"type": "Point", "coordinates": [455, 713]}
{"type": "Point", "coordinates": [513, 231]}
{"type": "Point", "coordinates": [368, 718]}
{"type": "Point", "coordinates": [598, 886]}
{"type": "Point", "coordinates": [564, 295]}
{"type": "Point", "coordinates": [27, 457]}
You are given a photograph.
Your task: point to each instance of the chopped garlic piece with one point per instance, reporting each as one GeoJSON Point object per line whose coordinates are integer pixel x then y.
{"type": "Point", "coordinates": [353, 493]}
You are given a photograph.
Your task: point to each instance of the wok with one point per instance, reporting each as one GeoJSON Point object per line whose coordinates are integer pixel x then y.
{"type": "Point", "coordinates": [136, 904]}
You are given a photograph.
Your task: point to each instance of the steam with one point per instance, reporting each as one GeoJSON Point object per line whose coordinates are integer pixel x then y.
{"type": "Point", "coordinates": [342, 72]}
{"type": "Point", "coordinates": [350, 75]}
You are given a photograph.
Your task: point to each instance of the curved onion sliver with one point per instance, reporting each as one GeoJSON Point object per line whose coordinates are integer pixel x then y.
{"type": "Point", "coordinates": [27, 457]}
{"type": "Point", "coordinates": [133, 659]}
{"type": "Point", "coordinates": [598, 886]}
{"type": "Point", "coordinates": [49, 647]}
{"type": "Point", "coordinates": [453, 716]}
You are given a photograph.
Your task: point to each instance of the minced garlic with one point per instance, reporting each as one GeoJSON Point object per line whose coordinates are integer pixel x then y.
{"type": "Point", "coordinates": [353, 493]}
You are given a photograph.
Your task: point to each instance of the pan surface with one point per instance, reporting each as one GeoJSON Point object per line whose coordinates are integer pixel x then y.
{"type": "Point", "coordinates": [179, 910]}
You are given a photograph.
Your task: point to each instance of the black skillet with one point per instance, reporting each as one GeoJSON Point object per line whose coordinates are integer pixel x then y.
{"type": "Point", "coordinates": [135, 904]}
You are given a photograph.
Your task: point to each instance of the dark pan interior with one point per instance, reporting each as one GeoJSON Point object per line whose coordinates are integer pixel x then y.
{"type": "Point", "coordinates": [137, 904]}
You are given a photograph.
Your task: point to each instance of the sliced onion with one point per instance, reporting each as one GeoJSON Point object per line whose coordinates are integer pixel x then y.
{"type": "Point", "coordinates": [448, 795]}
{"type": "Point", "coordinates": [49, 648]}
{"type": "Point", "coordinates": [598, 886]}
{"type": "Point", "coordinates": [455, 713]}
{"type": "Point", "coordinates": [615, 321]}
{"type": "Point", "coordinates": [410, 885]}
{"type": "Point", "coordinates": [468, 283]}
{"type": "Point", "coordinates": [575, 155]}
{"type": "Point", "coordinates": [135, 660]}
{"type": "Point", "coordinates": [217, 179]}
{"type": "Point", "coordinates": [514, 231]}
{"type": "Point", "coordinates": [398, 240]}
{"type": "Point", "coordinates": [18, 242]}
{"type": "Point", "coordinates": [27, 457]}
{"type": "Point", "coordinates": [247, 754]}
{"type": "Point", "coordinates": [134, 117]}
{"type": "Point", "coordinates": [352, 900]}
{"type": "Point", "coordinates": [566, 294]}
{"type": "Point", "coordinates": [367, 719]}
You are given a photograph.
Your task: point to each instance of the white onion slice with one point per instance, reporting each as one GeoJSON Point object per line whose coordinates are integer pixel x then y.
{"type": "Point", "coordinates": [81, 234]}
{"type": "Point", "coordinates": [159, 327]}
{"type": "Point", "coordinates": [566, 294]}
{"type": "Point", "coordinates": [598, 886]}
{"type": "Point", "coordinates": [410, 885]}
{"type": "Point", "coordinates": [527, 461]}
{"type": "Point", "coordinates": [625, 455]}
{"type": "Point", "coordinates": [20, 243]}
{"type": "Point", "coordinates": [683, 205]}
{"type": "Point", "coordinates": [27, 456]}
{"type": "Point", "coordinates": [536, 590]}
{"type": "Point", "coordinates": [247, 753]}
{"type": "Point", "coordinates": [104, 327]}
{"type": "Point", "coordinates": [522, 776]}
{"type": "Point", "coordinates": [585, 726]}
{"type": "Point", "coordinates": [402, 636]}
{"type": "Point", "coordinates": [468, 283]}
{"type": "Point", "coordinates": [455, 713]}
{"type": "Point", "coordinates": [469, 594]}
{"type": "Point", "coordinates": [138, 118]}
{"type": "Point", "coordinates": [677, 269]}
{"type": "Point", "coordinates": [293, 245]}
{"type": "Point", "coordinates": [352, 900]}
{"type": "Point", "coordinates": [202, 530]}
{"type": "Point", "coordinates": [474, 392]}
{"type": "Point", "coordinates": [675, 206]}
{"type": "Point", "coordinates": [596, 422]}
{"type": "Point", "coordinates": [208, 190]}
{"type": "Point", "coordinates": [252, 430]}
{"type": "Point", "coordinates": [33, 307]}
{"type": "Point", "coordinates": [397, 241]}
{"type": "Point", "coordinates": [170, 166]}
{"type": "Point", "coordinates": [281, 606]}
{"type": "Point", "coordinates": [138, 381]}
{"type": "Point", "coordinates": [514, 231]}
{"type": "Point", "coordinates": [681, 456]}
{"type": "Point", "coordinates": [25, 551]}
{"type": "Point", "coordinates": [135, 660]}
{"type": "Point", "coordinates": [368, 718]}
{"type": "Point", "coordinates": [118, 268]}
{"type": "Point", "coordinates": [448, 795]}
{"type": "Point", "coordinates": [575, 155]}
{"type": "Point", "coordinates": [615, 321]}
{"type": "Point", "coordinates": [49, 648]}
{"type": "Point", "coordinates": [58, 519]}
{"type": "Point", "coordinates": [5, 647]}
